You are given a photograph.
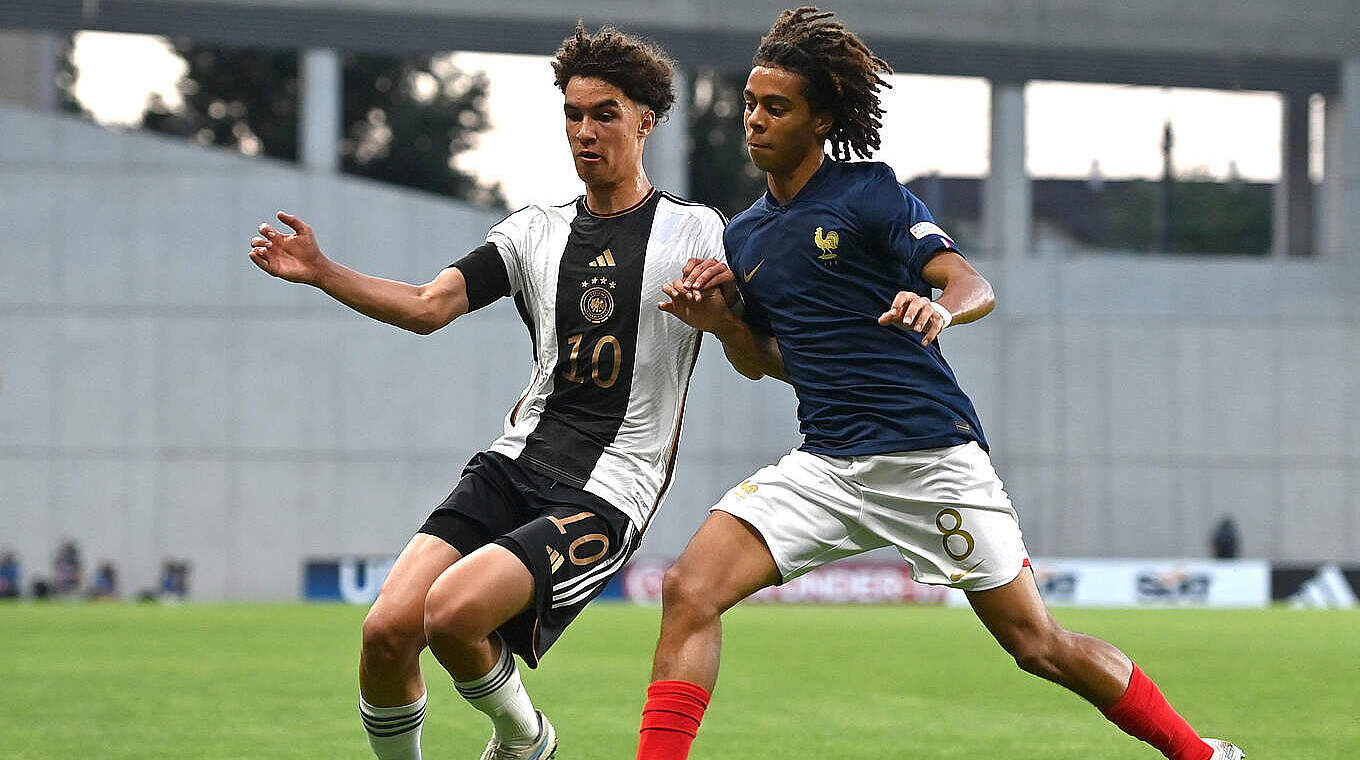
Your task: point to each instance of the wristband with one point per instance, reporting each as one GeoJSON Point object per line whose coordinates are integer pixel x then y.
{"type": "Point", "coordinates": [943, 312]}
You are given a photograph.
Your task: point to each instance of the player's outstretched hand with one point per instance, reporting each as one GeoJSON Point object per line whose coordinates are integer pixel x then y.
{"type": "Point", "coordinates": [914, 312]}
{"type": "Point", "coordinates": [294, 257]}
{"type": "Point", "coordinates": [701, 309]}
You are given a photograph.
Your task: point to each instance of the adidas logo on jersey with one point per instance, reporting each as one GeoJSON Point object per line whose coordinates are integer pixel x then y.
{"type": "Point", "coordinates": [605, 259]}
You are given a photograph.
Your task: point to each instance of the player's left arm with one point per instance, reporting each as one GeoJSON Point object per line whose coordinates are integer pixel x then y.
{"type": "Point", "coordinates": [965, 296]}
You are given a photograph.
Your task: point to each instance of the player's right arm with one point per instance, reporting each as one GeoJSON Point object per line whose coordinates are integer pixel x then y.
{"type": "Point", "coordinates": [297, 257]}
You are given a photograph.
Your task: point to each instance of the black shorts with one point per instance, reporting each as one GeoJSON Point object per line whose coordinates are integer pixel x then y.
{"type": "Point", "coordinates": [571, 540]}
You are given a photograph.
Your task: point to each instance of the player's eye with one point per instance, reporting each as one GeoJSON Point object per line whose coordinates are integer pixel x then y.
{"type": "Point", "coordinates": [750, 106]}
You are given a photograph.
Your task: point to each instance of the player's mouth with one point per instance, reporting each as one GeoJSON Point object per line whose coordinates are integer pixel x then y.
{"type": "Point", "coordinates": [757, 146]}
{"type": "Point", "coordinates": [590, 156]}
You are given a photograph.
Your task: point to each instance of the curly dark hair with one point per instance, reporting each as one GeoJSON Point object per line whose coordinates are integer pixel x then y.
{"type": "Point", "coordinates": [840, 74]}
{"type": "Point", "coordinates": [642, 70]}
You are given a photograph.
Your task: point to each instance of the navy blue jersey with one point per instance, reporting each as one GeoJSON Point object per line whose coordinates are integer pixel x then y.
{"type": "Point", "coordinates": [816, 273]}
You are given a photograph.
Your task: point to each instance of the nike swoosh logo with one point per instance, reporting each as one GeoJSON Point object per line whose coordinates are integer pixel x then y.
{"type": "Point", "coordinates": [747, 277]}
{"type": "Point", "coordinates": [956, 577]}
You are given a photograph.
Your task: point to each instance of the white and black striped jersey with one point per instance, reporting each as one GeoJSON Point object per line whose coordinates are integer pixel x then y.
{"type": "Point", "coordinates": [603, 407]}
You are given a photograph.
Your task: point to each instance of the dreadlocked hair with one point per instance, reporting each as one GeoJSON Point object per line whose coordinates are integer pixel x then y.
{"type": "Point", "coordinates": [643, 71]}
{"type": "Point", "coordinates": [840, 75]}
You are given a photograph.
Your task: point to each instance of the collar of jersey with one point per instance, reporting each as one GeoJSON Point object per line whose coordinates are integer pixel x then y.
{"type": "Point", "coordinates": [813, 184]}
{"type": "Point", "coordinates": [586, 206]}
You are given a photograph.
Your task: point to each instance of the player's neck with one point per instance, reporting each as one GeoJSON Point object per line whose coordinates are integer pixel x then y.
{"type": "Point", "coordinates": [604, 199]}
{"type": "Point", "coordinates": [785, 185]}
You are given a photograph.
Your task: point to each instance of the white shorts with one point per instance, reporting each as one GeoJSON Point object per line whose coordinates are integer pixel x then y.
{"type": "Point", "coordinates": [944, 509]}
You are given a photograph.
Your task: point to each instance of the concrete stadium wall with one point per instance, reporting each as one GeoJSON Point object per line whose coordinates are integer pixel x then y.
{"type": "Point", "coordinates": [159, 396]}
{"type": "Point", "coordinates": [1321, 28]}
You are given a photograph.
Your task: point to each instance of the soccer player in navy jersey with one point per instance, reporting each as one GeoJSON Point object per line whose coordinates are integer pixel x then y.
{"type": "Point", "coordinates": [835, 267]}
{"type": "Point", "coordinates": [541, 520]}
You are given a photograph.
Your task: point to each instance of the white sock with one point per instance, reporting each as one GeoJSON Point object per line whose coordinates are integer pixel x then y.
{"type": "Point", "coordinates": [394, 732]}
{"type": "Point", "coordinates": [501, 696]}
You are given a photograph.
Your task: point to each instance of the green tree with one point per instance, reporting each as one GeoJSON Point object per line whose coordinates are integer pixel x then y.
{"type": "Point", "coordinates": [1219, 217]}
{"type": "Point", "coordinates": [234, 97]}
{"type": "Point", "coordinates": [408, 117]}
{"type": "Point", "coordinates": [404, 118]}
{"type": "Point", "coordinates": [1209, 217]}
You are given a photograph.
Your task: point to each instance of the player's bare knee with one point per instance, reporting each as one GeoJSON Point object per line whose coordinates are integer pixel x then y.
{"type": "Point", "coordinates": [1036, 662]}
{"type": "Point", "coordinates": [1036, 651]}
{"type": "Point", "coordinates": [684, 595]}
{"type": "Point", "coordinates": [388, 639]}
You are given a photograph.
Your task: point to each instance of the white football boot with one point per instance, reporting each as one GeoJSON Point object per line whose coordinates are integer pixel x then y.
{"type": "Point", "coordinates": [543, 746]}
{"type": "Point", "coordinates": [1225, 750]}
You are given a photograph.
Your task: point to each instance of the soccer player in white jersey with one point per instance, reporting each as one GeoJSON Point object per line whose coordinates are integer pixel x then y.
{"type": "Point", "coordinates": [836, 265]}
{"type": "Point", "coordinates": [540, 521]}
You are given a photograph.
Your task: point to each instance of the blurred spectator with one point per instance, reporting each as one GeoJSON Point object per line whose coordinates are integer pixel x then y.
{"type": "Point", "coordinates": [66, 569]}
{"type": "Point", "coordinates": [105, 582]}
{"type": "Point", "coordinates": [1226, 541]}
{"type": "Point", "coordinates": [174, 579]}
{"type": "Point", "coordinates": [9, 576]}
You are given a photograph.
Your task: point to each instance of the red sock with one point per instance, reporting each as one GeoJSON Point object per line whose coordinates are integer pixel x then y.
{"type": "Point", "coordinates": [670, 719]}
{"type": "Point", "coordinates": [1144, 713]}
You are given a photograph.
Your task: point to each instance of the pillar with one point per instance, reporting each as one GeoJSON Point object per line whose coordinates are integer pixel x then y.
{"type": "Point", "coordinates": [1341, 183]}
{"type": "Point", "coordinates": [1293, 223]}
{"type": "Point", "coordinates": [1006, 205]}
{"type": "Point", "coordinates": [319, 112]}
{"type": "Point", "coordinates": [29, 63]}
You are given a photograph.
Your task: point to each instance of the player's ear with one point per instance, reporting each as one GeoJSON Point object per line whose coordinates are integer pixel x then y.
{"type": "Point", "coordinates": [647, 123]}
{"type": "Point", "coordinates": [822, 122]}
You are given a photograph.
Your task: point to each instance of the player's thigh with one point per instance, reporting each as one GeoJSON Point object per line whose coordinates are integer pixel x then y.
{"type": "Point", "coordinates": [726, 561]}
{"type": "Point", "coordinates": [1014, 611]}
{"type": "Point", "coordinates": [805, 509]}
{"type": "Point", "coordinates": [566, 556]}
{"type": "Point", "coordinates": [487, 502]}
{"type": "Point", "coordinates": [480, 592]}
{"type": "Point", "coordinates": [400, 606]}
{"type": "Point", "coordinates": [947, 513]}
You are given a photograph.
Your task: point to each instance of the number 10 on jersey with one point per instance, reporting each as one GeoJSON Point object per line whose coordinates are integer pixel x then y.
{"type": "Point", "coordinates": [607, 342]}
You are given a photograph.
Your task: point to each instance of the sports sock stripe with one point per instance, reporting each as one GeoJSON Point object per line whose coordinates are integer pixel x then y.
{"type": "Point", "coordinates": [488, 687]}
{"type": "Point", "coordinates": [389, 722]}
{"type": "Point", "coordinates": [392, 726]}
{"type": "Point", "coordinates": [505, 668]}
{"type": "Point", "coordinates": [395, 732]}
{"type": "Point", "coordinates": [381, 722]}
{"type": "Point", "coordinates": [411, 723]}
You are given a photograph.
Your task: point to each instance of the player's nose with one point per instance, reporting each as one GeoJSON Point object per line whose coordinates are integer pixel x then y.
{"type": "Point", "coordinates": [585, 132]}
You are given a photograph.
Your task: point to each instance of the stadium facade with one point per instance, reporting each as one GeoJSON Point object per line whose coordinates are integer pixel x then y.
{"type": "Point", "coordinates": [159, 397]}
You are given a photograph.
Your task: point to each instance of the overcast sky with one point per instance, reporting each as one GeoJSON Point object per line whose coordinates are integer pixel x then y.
{"type": "Point", "coordinates": [932, 123]}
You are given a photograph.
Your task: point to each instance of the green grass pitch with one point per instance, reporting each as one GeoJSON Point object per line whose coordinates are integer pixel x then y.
{"type": "Point", "coordinates": [94, 681]}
